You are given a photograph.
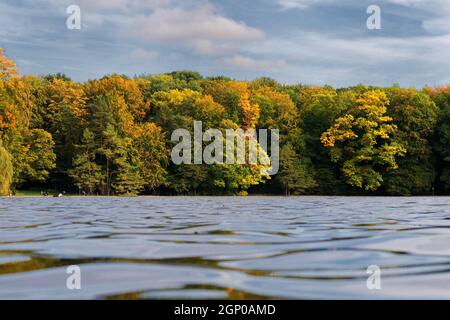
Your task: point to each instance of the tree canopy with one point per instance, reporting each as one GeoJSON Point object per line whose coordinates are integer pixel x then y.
{"type": "Point", "coordinates": [112, 136]}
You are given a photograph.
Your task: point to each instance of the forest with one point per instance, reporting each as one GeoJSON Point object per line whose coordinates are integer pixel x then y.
{"type": "Point", "coordinates": [111, 136]}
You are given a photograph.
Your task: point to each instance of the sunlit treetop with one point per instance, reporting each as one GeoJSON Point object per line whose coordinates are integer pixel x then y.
{"type": "Point", "coordinates": [7, 67]}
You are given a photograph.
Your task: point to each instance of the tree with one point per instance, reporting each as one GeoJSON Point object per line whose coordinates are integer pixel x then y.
{"type": "Point", "coordinates": [8, 67]}
{"type": "Point", "coordinates": [85, 172]}
{"type": "Point", "coordinates": [237, 178]}
{"type": "Point", "coordinates": [187, 178]}
{"type": "Point", "coordinates": [6, 171]}
{"type": "Point", "coordinates": [277, 110]}
{"type": "Point", "coordinates": [64, 116]}
{"type": "Point", "coordinates": [165, 82]}
{"type": "Point", "coordinates": [125, 90]}
{"type": "Point", "coordinates": [318, 108]}
{"type": "Point", "coordinates": [36, 158]}
{"type": "Point", "coordinates": [127, 177]}
{"type": "Point", "coordinates": [415, 115]}
{"type": "Point", "coordinates": [60, 76]}
{"type": "Point", "coordinates": [295, 175]}
{"type": "Point", "coordinates": [264, 82]}
{"type": "Point", "coordinates": [153, 155]}
{"type": "Point", "coordinates": [442, 98]}
{"type": "Point", "coordinates": [176, 109]}
{"type": "Point", "coordinates": [188, 76]}
{"type": "Point", "coordinates": [360, 141]}
{"type": "Point", "coordinates": [122, 174]}
{"type": "Point", "coordinates": [111, 135]}
{"type": "Point", "coordinates": [30, 149]}
{"type": "Point", "coordinates": [235, 97]}
{"type": "Point", "coordinates": [234, 179]}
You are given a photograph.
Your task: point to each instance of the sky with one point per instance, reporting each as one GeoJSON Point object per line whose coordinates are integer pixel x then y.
{"type": "Point", "coordinates": [314, 42]}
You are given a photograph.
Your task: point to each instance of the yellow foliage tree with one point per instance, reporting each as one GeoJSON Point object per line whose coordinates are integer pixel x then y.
{"type": "Point", "coordinates": [235, 97]}
{"type": "Point", "coordinates": [8, 68]}
{"type": "Point", "coordinates": [360, 141]}
{"type": "Point", "coordinates": [66, 93]}
{"type": "Point", "coordinates": [6, 171]}
{"type": "Point", "coordinates": [277, 110]}
{"type": "Point", "coordinates": [128, 89]}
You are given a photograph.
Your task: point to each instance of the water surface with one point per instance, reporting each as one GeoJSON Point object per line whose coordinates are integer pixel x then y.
{"type": "Point", "coordinates": [225, 247]}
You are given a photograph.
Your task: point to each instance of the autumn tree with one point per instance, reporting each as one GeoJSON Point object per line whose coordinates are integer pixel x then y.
{"type": "Point", "coordinates": [115, 152]}
{"type": "Point", "coordinates": [176, 109]}
{"type": "Point", "coordinates": [36, 158]}
{"type": "Point", "coordinates": [112, 135]}
{"type": "Point", "coordinates": [126, 90]}
{"type": "Point", "coordinates": [64, 115]}
{"type": "Point", "coordinates": [6, 171]}
{"type": "Point", "coordinates": [123, 172]}
{"type": "Point", "coordinates": [277, 110]}
{"type": "Point", "coordinates": [153, 155]}
{"type": "Point", "coordinates": [235, 97]}
{"type": "Point", "coordinates": [31, 149]}
{"type": "Point", "coordinates": [360, 141]}
{"type": "Point", "coordinates": [8, 67]}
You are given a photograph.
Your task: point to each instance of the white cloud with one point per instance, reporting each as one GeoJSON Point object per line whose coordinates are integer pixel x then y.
{"type": "Point", "coordinates": [300, 4]}
{"type": "Point", "coordinates": [202, 23]}
{"type": "Point", "coordinates": [182, 30]}
{"type": "Point", "coordinates": [440, 9]}
{"type": "Point", "coordinates": [247, 63]}
{"type": "Point", "coordinates": [103, 5]}
{"type": "Point", "coordinates": [319, 58]}
{"type": "Point", "coordinates": [202, 29]}
{"type": "Point", "coordinates": [141, 54]}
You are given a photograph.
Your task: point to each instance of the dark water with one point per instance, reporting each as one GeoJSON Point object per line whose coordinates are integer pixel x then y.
{"type": "Point", "coordinates": [208, 248]}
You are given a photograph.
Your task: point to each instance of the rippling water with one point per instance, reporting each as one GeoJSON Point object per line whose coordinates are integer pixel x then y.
{"type": "Point", "coordinates": [225, 247]}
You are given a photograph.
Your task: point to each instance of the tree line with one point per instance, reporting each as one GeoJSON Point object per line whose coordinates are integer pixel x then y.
{"type": "Point", "coordinates": [111, 136]}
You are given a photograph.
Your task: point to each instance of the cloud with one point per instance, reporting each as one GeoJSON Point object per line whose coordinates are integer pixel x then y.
{"type": "Point", "coordinates": [161, 35]}
{"type": "Point", "coordinates": [435, 14]}
{"type": "Point", "coordinates": [141, 54]}
{"type": "Point", "coordinates": [440, 10]}
{"type": "Point", "coordinates": [202, 29]}
{"type": "Point", "coordinates": [300, 4]}
{"type": "Point", "coordinates": [247, 63]}
{"type": "Point", "coordinates": [103, 5]}
{"type": "Point", "coordinates": [320, 58]}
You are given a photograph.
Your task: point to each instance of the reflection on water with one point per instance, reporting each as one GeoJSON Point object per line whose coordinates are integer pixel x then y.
{"type": "Point", "coordinates": [230, 247]}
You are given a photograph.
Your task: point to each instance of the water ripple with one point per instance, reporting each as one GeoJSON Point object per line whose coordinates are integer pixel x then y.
{"type": "Point", "coordinates": [225, 247]}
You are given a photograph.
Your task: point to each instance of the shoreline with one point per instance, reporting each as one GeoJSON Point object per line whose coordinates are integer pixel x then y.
{"type": "Point", "coordinates": [223, 196]}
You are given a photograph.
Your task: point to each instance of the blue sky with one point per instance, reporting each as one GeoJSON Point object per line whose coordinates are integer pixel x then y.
{"type": "Point", "coordinates": [294, 41]}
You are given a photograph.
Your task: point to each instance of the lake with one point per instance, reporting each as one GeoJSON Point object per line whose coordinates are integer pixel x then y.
{"type": "Point", "coordinates": [225, 247]}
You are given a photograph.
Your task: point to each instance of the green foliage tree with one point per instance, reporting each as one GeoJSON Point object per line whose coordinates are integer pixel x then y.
{"type": "Point", "coordinates": [85, 172]}
{"type": "Point", "coordinates": [360, 141]}
{"type": "Point", "coordinates": [415, 115]}
{"type": "Point", "coordinates": [442, 137]}
{"type": "Point", "coordinates": [36, 158]}
{"type": "Point", "coordinates": [295, 176]}
{"type": "Point", "coordinates": [122, 173]}
{"type": "Point", "coordinates": [318, 108]}
{"type": "Point", "coordinates": [6, 171]}
{"type": "Point", "coordinates": [152, 155]}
